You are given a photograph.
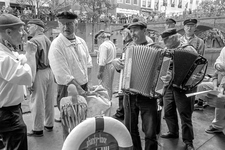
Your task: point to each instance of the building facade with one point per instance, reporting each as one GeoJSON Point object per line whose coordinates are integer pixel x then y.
{"type": "Point", "coordinates": [169, 7]}
{"type": "Point", "coordinates": [128, 7]}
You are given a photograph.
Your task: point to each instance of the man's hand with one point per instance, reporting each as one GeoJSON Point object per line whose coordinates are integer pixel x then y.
{"type": "Point", "coordinates": [219, 67]}
{"type": "Point", "coordinates": [166, 79]}
{"type": "Point", "coordinates": [118, 63]}
{"type": "Point", "coordinates": [30, 89]}
{"type": "Point", "coordinates": [30, 47]}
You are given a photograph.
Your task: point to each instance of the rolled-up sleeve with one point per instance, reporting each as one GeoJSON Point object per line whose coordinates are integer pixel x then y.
{"type": "Point", "coordinates": [221, 59]}
{"type": "Point", "coordinates": [102, 55]}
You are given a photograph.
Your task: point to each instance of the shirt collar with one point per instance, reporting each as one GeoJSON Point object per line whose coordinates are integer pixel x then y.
{"type": "Point", "coordinates": [8, 45]}
{"type": "Point", "coordinates": [189, 38]}
{"type": "Point", "coordinates": [7, 50]}
{"type": "Point", "coordinates": [67, 42]}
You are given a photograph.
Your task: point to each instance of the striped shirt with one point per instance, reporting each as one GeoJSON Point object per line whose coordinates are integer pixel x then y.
{"type": "Point", "coordinates": [69, 60]}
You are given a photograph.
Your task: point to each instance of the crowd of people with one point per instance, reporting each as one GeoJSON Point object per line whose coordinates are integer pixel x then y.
{"type": "Point", "coordinates": [47, 15]}
{"type": "Point", "coordinates": [48, 68]}
{"type": "Point", "coordinates": [28, 13]}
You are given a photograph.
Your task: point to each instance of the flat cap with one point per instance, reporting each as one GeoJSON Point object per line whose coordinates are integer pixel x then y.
{"type": "Point", "coordinates": [170, 20]}
{"type": "Point", "coordinates": [101, 33]}
{"type": "Point", "coordinates": [168, 33]}
{"type": "Point", "coordinates": [37, 22]}
{"type": "Point", "coordinates": [124, 27]}
{"type": "Point", "coordinates": [190, 21]}
{"type": "Point", "coordinates": [137, 22]}
{"type": "Point", "coordinates": [9, 20]}
{"type": "Point", "coordinates": [66, 15]}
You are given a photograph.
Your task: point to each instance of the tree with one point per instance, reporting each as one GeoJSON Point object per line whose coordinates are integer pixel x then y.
{"type": "Point", "coordinates": [209, 7]}
{"type": "Point", "coordinates": [94, 9]}
{"type": "Point", "coordinates": [41, 6]}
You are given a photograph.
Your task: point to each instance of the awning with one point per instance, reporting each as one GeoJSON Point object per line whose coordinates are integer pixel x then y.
{"type": "Point", "coordinates": [146, 9]}
{"type": "Point", "coordinates": [127, 11]}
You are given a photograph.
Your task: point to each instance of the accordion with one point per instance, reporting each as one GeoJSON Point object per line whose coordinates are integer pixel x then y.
{"type": "Point", "coordinates": [144, 65]}
{"type": "Point", "coordinates": [186, 65]}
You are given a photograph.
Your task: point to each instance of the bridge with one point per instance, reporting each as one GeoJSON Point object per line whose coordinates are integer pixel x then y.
{"type": "Point", "coordinates": [203, 24]}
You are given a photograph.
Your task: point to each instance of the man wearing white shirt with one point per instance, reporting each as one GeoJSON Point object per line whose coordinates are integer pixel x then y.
{"type": "Point", "coordinates": [69, 57]}
{"type": "Point", "coordinates": [16, 71]}
{"type": "Point", "coordinates": [106, 54]}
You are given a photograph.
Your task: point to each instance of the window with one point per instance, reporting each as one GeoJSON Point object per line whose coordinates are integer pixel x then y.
{"type": "Point", "coordinates": [164, 2]}
{"type": "Point", "coordinates": [135, 2]}
{"type": "Point", "coordinates": [180, 4]}
{"type": "Point", "coordinates": [149, 4]}
{"type": "Point", "coordinates": [128, 1]}
{"type": "Point", "coordinates": [156, 5]}
{"type": "Point", "coordinates": [172, 2]}
{"type": "Point", "coordinates": [143, 3]}
{"type": "Point", "coordinates": [119, 1]}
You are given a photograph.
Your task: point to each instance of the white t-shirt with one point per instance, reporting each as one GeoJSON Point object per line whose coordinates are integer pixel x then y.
{"type": "Point", "coordinates": [106, 53]}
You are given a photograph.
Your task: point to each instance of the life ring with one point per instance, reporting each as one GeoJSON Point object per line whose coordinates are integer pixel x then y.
{"type": "Point", "coordinates": [103, 133]}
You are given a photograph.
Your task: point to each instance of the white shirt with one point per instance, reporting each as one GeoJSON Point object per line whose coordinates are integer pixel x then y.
{"type": "Point", "coordinates": [221, 59]}
{"type": "Point", "coordinates": [13, 75]}
{"type": "Point", "coordinates": [69, 61]}
{"type": "Point", "coordinates": [106, 53]}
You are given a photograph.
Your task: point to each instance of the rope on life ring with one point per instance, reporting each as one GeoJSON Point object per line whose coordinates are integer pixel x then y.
{"type": "Point", "coordinates": [90, 134]}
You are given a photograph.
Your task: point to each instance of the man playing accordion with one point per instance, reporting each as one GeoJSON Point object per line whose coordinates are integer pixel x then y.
{"type": "Point", "coordinates": [135, 103]}
{"type": "Point", "coordinates": [175, 98]}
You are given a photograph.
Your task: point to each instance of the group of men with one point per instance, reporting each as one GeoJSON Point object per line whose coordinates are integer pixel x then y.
{"type": "Point", "coordinates": [67, 61]}
{"type": "Point", "coordinates": [46, 70]}
{"type": "Point", "coordinates": [174, 98]}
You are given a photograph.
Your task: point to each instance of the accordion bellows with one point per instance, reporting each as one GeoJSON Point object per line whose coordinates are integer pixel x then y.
{"type": "Point", "coordinates": [186, 65]}
{"type": "Point", "coordinates": [142, 70]}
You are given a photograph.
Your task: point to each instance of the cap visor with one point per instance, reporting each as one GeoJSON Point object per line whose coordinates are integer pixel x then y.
{"type": "Point", "coordinates": [190, 23]}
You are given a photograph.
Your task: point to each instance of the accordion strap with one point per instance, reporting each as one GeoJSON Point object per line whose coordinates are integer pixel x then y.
{"type": "Point", "coordinates": [206, 65]}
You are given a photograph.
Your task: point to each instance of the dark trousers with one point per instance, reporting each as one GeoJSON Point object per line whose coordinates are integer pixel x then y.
{"type": "Point", "coordinates": [133, 105]}
{"type": "Point", "coordinates": [12, 128]}
{"type": "Point", "coordinates": [120, 110]}
{"type": "Point", "coordinates": [176, 99]}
